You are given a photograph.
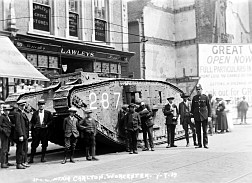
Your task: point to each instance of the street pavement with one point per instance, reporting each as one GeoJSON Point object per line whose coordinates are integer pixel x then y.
{"type": "Point", "coordinates": [228, 159]}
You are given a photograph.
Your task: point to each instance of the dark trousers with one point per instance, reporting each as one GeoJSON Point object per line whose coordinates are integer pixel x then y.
{"type": "Point", "coordinates": [133, 136]}
{"type": "Point", "coordinates": [20, 151]}
{"type": "Point", "coordinates": [243, 116]}
{"type": "Point", "coordinates": [148, 131]}
{"type": "Point", "coordinates": [39, 135]}
{"type": "Point", "coordinates": [198, 125]}
{"type": "Point", "coordinates": [25, 149]}
{"type": "Point", "coordinates": [4, 148]}
{"type": "Point", "coordinates": [170, 134]}
{"type": "Point", "coordinates": [70, 142]}
{"type": "Point", "coordinates": [187, 122]}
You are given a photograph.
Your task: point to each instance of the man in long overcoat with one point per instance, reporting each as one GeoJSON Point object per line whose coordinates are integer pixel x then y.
{"type": "Point", "coordinates": [201, 111]}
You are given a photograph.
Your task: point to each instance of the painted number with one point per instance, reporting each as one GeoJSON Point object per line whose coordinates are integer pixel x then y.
{"type": "Point", "coordinates": [118, 97]}
{"type": "Point", "coordinates": [92, 98]}
{"type": "Point", "coordinates": [104, 100]}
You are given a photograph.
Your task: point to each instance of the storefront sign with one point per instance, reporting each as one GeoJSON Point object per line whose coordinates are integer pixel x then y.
{"type": "Point", "coordinates": [41, 17]}
{"type": "Point", "coordinates": [100, 27]}
{"type": "Point", "coordinates": [73, 24]}
{"type": "Point", "coordinates": [77, 52]}
{"type": "Point", "coordinates": [36, 46]}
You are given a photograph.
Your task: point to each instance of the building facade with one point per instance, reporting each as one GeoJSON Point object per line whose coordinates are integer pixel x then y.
{"type": "Point", "coordinates": [168, 33]}
{"type": "Point", "coordinates": [64, 36]}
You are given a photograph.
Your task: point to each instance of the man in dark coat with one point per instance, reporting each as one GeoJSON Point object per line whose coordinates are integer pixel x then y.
{"type": "Point", "coordinates": [40, 121]}
{"type": "Point", "coordinates": [201, 111]}
{"type": "Point", "coordinates": [132, 126]}
{"type": "Point", "coordinates": [5, 132]}
{"type": "Point", "coordinates": [21, 111]}
{"type": "Point", "coordinates": [185, 118]}
{"type": "Point", "coordinates": [147, 125]}
{"type": "Point", "coordinates": [21, 134]}
{"type": "Point", "coordinates": [171, 112]}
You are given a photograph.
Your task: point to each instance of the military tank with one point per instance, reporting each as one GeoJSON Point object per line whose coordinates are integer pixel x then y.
{"type": "Point", "coordinates": [105, 97]}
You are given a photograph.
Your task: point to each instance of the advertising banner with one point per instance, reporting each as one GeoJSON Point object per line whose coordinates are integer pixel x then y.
{"type": "Point", "coordinates": [225, 70]}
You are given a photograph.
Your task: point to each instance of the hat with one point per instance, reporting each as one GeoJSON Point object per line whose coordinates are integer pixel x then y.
{"type": "Point", "coordinates": [184, 95]}
{"type": "Point", "coordinates": [142, 103]}
{"type": "Point", "coordinates": [2, 102]}
{"type": "Point", "coordinates": [7, 107]}
{"type": "Point", "coordinates": [227, 99]}
{"type": "Point", "coordinates": [21, 102]}
{"type": "Point", "coordinates": [132, 105]}
{"type": "Point", "coordinates": [170, 98]}
{"type": "Point", "coordinates": [41, 102]}
{"type": "Point", "coordinates": [198, 86]}
{"type": "Point", "coordinates": [72, 109]}
{"type": "Point", "coordinates": [88, 111]}
{"type": "Point", "coordinates": [219, 98]}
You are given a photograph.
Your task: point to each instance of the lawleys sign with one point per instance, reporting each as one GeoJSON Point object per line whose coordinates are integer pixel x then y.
{"type": "Point", "coordinates": [77, 52]}
{"type": "Point", "coordinates": [225, 70]}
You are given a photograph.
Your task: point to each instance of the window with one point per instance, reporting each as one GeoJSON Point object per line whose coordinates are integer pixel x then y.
{"type": "Point", "coordinates": [101, 18]}
{"type": "Point", "coordinates": [41, 15]}
{"type": "Point", "coordinates": [73, 18]}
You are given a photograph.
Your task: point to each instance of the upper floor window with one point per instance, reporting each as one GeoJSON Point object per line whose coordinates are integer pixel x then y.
{"type": "Point", "coordinates": [73, 18]}
{"type": "Point", "coordinates": [41, 15]}
{"type": "Point", "coordinates": [101, 14]}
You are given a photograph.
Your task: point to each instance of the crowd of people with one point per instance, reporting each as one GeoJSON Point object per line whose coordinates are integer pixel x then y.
{"type": "Point", "coordinates": [201, 114]}
{"type": "Point", "coordinates": [15, 126]}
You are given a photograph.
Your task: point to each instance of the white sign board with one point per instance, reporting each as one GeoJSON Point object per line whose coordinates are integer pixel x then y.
{"type": "Point", "coordinates": [225, 70]}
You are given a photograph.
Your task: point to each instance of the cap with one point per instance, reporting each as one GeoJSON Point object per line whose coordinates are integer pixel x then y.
{"type": "Point", "coordinates": [198, 86]}
{"type": "Point", "coordinates": [228, 99]}
{"type": "Point", "coordinates": [184, 95]}
{"type": "Point", "coordinates": [132, 105]}
{"type": "Point", "coordinates": [170, 98]}
{"type": "Point", "coordinates": [72, 109]}
{"type": "Point", "coordinates": [88, 111]}
{"type": "Point", "coordinates": [2, 102]}
{"type": "Point", "coordinates": [21, 102]}
{"type": "Point", "coordinates": [142, 103]}
{"type": "Point", "coordinates": [219, 98]}
{"type": "Point", "coordinates": [7, 107]}
{"type": "Point", "coordinates": [125, 106]}
{"type": "Point", "coordinates": [41, 102]}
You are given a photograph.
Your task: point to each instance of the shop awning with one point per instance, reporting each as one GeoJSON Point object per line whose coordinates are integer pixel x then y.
{"type": "Point", "coordinates": [14, 65]}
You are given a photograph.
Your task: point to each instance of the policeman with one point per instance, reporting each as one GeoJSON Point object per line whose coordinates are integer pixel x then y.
{"type": "Point", "coordinates": [201, 111]}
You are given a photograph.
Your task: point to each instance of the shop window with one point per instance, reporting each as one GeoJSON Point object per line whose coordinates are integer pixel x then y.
{"type": "Point", "coordinates": [41, 15]}
{"type": "Point", "coordinates": [73, 18]}
{"type": "Point", "coordinates": [53, 62]}
{"type": "Point", "coordinates": [33, 59]}
{"type": "Point", "coordinates": [42, 61]}
{"type": "Point", "coordinates": [101, 19]}
{"type": "Point", "coordinates": [97, 67]}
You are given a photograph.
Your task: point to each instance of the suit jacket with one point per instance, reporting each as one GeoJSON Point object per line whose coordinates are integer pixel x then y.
{"type": "Point", "coordinates": [71, 127]}
{"type": "Point", "coordinates": [170, 118]}
{"type": "Point", "coordinates": [21, 126]}
{"type": "Point", "coordinates": [201, 108]}
{"type": "Point", "coordinates": [184, 111]}
{"type": "Point", "coordinates": [35, 120]}
{"type": "Point", "coordinates": [132, 121]}
{"type": "Point", "coordinates": [5, 125]}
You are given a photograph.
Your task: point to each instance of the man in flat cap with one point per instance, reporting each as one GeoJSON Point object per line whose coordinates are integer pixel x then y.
{"type": "Point", "coordinates": [88, 127]}
{"type": "Point", "coordinates": [40, 121]}
{"type": "Point", "coordinates": [70, 127]}
{"type": "Point", "coordinates": [201, 111]}
{"type": "Point", "coordinates": [171, 112]}
{"type": "Point", "coordinates": [5, 132]}
{"type": "Point", "coordinates": [185, 118]}
{"type": "Point", "coordinates": [132, 126]}
{"type": "Point", "coordinates": [21, 134]}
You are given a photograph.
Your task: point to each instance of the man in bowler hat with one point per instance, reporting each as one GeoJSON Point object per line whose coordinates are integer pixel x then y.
{"type": "Point", "coordinates": [201, 111]}
{"type": "Point", "coordinates": [40, 121]}
{"type": "Point", "coordinates": [171, 112]}
{"type": "Point", "coordinates": [185, 118]}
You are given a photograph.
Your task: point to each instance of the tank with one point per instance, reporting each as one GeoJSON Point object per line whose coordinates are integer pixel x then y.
{"type": "Point", "coordinates": [105, 97]}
